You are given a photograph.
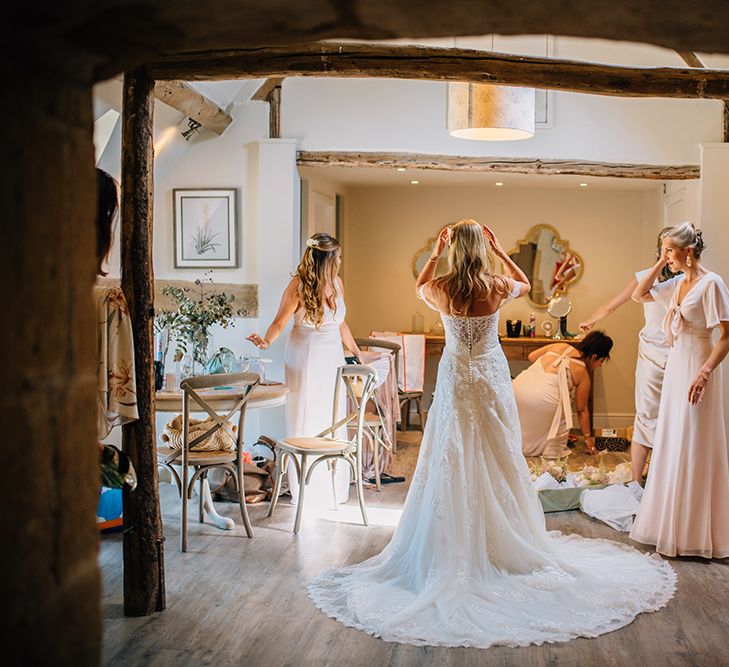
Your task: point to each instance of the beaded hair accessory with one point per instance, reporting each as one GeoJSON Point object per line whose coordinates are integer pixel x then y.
{"type": "Point", "coordinates": [312, 243]}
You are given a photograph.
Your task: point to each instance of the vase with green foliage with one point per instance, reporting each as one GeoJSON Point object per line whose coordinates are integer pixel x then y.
{"type": "Point", "coordinates": [189, 324]}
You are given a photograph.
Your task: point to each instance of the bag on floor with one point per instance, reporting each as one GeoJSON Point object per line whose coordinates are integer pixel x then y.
{"type": "Point", "coordinates": [257, 478]}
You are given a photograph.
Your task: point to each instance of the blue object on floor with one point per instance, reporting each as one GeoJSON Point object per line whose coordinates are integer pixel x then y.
{"type": "Point", "coordinates": [109, 510]}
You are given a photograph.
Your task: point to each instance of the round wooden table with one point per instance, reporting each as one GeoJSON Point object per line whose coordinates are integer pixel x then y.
{"type": "Point", "coordinates": [262, 396]}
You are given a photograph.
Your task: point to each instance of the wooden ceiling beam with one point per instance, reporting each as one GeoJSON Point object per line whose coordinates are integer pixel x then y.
{"type": "Point", "coordinates": [445, 64]}
{"type": "Point", "coordinates": [691, 59]}
{"type": "Point", "coordinates": [183, 97]}
{"type": "Point", "coordinates": [496, 165]}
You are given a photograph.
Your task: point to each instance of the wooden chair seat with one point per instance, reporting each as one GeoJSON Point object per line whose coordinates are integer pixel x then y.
{"type": "Point", "coordinates": [311, 445]}
{"type": "Point", "coordinates": [198, 458]}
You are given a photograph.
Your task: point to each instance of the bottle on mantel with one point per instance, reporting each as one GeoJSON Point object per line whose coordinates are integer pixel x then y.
{"type": "Point", "coordinates": [532, 325]}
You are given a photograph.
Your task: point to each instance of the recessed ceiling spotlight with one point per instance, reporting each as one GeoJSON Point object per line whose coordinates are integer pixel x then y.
{"type": "Point", "coordinates": [583, 185]}
{"type": "Point", "coordinates": [414, 182]}
{"type": "Point", "coordinates": [498, 184]}
{"type": "Point", "coordinates": [401, 168]}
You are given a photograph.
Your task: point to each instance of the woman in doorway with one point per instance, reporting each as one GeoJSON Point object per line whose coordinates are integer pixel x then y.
{"type": "Point", "coordinates": [315, 299]}
{"type": "Point", "coordinates": [652, 355]}
{"type": "Point", "coordinates": [543, 394]}
{"type": "Point", "coordinates": [685, 508]}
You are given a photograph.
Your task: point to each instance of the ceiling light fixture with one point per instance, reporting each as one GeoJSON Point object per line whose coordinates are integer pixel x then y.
{"type": "Point", "coordinates": [415, 182]}
{"type": "Point", "coordinates": [484, 112]}
{"type": "Point", "coordinates": [583, 185]}
{"type": "Point", "coordinates": [498, 184]}
{"type": "Point", "coordinates": [401, 168]}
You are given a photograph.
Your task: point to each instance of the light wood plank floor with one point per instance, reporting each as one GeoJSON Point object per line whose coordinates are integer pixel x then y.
{"type": "Point", "coordinates": [235, 601]}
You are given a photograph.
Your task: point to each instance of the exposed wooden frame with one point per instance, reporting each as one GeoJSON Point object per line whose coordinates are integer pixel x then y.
{"type": "Point", "coordinates": [274, 113]}
{"type": "Point", "coordinates": [266, 88]}
{"type": "Point", "coordinates": [270, 91]}
{"type": "Point", "coordinates": [692, 60]}
{"type": "Point", "coordinates": [144, 587]}
{"type": "Point", "coordinates": [183, 97]}
{"type": "Point", "coordinates": [446, 64]}
{"type": "Point", "coordinates": [496, 164]}
{"type": "Point", "coordinates": [246, 296]}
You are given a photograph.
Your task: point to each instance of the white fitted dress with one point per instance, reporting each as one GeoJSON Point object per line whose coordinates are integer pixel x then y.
{"type": "Point", "coordinates": [649, 369]}
{"type": "Point", "coordinates": [312, 358]}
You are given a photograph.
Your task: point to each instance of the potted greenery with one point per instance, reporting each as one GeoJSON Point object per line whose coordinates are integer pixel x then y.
{"type": "Point", "coordinates": [189, 325]}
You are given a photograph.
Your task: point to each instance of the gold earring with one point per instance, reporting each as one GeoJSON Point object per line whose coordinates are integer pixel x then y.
{"type": "Point", "coordinates": [689, 263]}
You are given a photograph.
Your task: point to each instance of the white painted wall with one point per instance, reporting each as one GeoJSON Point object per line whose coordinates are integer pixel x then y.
{"type": "Point", "coordinates": [715, 225]}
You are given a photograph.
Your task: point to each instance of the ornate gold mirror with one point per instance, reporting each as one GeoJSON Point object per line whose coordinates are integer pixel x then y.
{"type": "Point", "coordinates": [548, 262]}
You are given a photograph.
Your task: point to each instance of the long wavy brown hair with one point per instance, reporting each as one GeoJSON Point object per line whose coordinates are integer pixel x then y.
{"type": "Point", "coordinates": [316, 271]}
{"type": "Point", "coordinates": [470, 273]}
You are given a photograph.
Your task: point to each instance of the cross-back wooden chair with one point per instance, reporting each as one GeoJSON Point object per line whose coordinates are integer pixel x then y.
{"type": "Point", "coordinates": [359, 383]}
{"type": "Point", "coordinates": [204, 461]}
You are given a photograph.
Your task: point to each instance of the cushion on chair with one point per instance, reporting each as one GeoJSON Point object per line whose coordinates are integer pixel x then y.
{"type": "Point", "coordinates": [317, 444]}
{"type": "Point", "coordinates": [197, 458]}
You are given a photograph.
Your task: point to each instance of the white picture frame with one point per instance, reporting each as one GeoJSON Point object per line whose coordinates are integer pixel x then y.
{"type": "Point", "coordinates": [205, 228]}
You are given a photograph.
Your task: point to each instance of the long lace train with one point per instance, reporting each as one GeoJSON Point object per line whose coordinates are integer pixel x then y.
{"type": "Point", "coordinates": [471, 562]}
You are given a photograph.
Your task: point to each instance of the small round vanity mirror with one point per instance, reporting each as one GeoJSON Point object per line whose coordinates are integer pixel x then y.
{"type": "Point", "coordinates": [560, 307]}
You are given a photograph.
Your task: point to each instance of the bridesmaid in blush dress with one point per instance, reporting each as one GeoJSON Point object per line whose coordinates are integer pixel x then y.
{"type": "Point", "coordinates": [685, 507]}
{"type": "Point", "coordinates": [315, 298]}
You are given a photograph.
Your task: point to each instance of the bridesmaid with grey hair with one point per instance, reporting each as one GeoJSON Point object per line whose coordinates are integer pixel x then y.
{"type": "Point", "coordinates": [685, 508]}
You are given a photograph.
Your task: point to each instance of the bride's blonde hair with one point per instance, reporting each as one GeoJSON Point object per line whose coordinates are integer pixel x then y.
{"type": "Point", "coordinates": [470, 273]}
{"type": "Point", "coordinates": [317, 270]}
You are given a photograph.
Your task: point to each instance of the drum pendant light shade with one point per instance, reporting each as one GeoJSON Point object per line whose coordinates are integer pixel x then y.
{"type": "Point", "coordinates": [490, 113]}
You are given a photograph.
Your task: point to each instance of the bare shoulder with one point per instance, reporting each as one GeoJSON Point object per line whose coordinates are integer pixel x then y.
{"type": "Point", "coordinates": [579, 372]}
{"type": "Point", "coordinates": [292, 289]}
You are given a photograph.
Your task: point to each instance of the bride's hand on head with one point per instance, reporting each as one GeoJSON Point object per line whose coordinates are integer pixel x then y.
{"type": "Point", "coordinates": [444, 239]}
{"type": "Point", "coordinates": [259, 342]}
{"type": "Point", "coordinates": [493, 241]}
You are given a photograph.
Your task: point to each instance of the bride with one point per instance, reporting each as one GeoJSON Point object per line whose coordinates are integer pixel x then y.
{"type": "Point", "coordinates": [471, 562]}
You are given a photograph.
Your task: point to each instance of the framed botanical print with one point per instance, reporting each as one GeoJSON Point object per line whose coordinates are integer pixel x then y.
{"type": "Point", "coordinates": [206, 228]}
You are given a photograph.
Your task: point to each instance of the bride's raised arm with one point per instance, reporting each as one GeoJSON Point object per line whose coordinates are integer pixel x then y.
{"type": "Point", "coordinates": [427, 273]}
{"type": "Point", "coordinates": [511, 268]}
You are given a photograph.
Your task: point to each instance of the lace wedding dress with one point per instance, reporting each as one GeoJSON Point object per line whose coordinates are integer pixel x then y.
{"type": "Point", "coordinates": [471, 562]}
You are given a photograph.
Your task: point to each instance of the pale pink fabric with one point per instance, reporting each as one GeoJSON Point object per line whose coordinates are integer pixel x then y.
{"type": "Point", "coordinates": [388, 405]}
{"type": "Point", "coordinates": [685, 508]}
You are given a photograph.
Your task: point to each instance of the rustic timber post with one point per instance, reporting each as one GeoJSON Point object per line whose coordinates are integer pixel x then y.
{"type": "Point", "coordinates": [144, 590]}
{"type": "Point", "coordinates": [274, 113]}
{"type": "Point", "coordinates": [49, 575]}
